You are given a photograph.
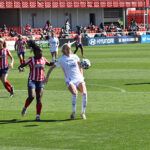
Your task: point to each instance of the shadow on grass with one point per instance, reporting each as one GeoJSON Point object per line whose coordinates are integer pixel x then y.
{"type": "Point", "coordinates": [30, 121]}
{"type": "Point", "coordinates": [138, 83]}
{"type": "Point", "coordinates": [2, 97]}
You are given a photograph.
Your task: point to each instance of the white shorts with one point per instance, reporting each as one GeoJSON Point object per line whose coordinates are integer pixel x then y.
{"type": "Point", "coordinates": [76, 83]}
{"type": "Point", "coordinates": [53, 50]}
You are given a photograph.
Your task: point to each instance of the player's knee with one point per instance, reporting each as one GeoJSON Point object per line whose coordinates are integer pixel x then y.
{"type": "Point", "coordinates": [75, 95]}
{"type": "Point", "coordinates": [31, 97]}
{"type": "Point", "coordinates": [38, 101]}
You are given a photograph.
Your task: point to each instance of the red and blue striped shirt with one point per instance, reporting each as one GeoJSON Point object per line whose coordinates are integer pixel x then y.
{"type": "Point", "coordinates": [4, 53]}
{"type": "Point", "coordinates": [37, 71]}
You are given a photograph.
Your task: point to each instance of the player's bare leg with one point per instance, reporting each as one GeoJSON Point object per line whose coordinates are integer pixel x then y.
{"type": "Point", "coordinates": [39, 93]}
{"type": "Point", "coordinates": [74, 93]}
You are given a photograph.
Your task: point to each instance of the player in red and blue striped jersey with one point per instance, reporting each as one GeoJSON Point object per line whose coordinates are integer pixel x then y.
{"type": "Point", "coordinates": [4, 66]}
{"type": "Point", "coordinates": [20, 47]}
{"type": "Point", "coordinates": [36, 78]}
{"type": "Point", "coordinates": [78, 43]}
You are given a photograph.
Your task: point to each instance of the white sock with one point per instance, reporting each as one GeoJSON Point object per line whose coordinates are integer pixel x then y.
{"type": "Point", "coordinates": [74, 98]}
{"type": "Point", "coordinates": [37, 115]}
{"type": "Point", "coordinates": [84, 102]}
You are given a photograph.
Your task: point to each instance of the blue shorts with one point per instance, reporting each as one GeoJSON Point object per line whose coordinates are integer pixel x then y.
{"type": "Point", "coordinates": [21, 53]}
{"type": "Point", "coordinates": [79, 45]}
{"type": "Point", "coordinates": [3, 71]}
{"type": "Point", "coordinates": [35, 84]}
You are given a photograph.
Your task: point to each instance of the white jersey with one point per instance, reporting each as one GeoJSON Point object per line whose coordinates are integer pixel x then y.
{"type": "Point", "coordinates": [54, 43]}
{"type": "Point", "coordinates": [71, 68]}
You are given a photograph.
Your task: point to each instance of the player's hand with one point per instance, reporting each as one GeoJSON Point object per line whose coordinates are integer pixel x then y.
{"type": "Point", "coordinates": [20, 69]}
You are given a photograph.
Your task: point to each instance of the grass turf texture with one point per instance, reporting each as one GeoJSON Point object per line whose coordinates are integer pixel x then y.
{"type": "Point", "coordinates": [118, 111]}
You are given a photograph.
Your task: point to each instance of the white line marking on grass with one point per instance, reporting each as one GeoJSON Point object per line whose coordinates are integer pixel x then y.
{"type": "Point", "coordinates": [3, 90]}
{"type": "Point", "coordinates": [116, 88]}
{"type": "Point", "coordinates": [113, 87]}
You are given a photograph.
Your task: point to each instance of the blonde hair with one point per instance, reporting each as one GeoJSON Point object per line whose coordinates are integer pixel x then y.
{"type": "Point", "coordinates": [65, 46]}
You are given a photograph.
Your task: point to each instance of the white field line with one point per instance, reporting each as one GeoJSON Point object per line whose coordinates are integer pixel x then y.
{"type": "Point", "coordinates": [107, 86]}
{"type": "Point", "coordinates": [113, 87]}
{"type": "Point", "coordinates": [118, 89]}
{"type": "Point", "coordinates": [16, 90]}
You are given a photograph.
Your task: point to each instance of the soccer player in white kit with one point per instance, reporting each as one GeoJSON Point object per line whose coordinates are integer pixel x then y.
{"type": "Point", "coordinates": [54, 43]}
{"type": "Point", "coordinates": [74, 79]}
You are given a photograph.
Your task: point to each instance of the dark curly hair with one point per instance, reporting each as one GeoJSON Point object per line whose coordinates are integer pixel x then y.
{"type": "Point", "coordinates": [33, 45]}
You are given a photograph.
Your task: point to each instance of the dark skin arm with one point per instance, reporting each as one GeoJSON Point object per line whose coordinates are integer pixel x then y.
{"type": "Point", "coordinates": [22, 66]}
{"type": "Point", "coordinates": [49, 63]}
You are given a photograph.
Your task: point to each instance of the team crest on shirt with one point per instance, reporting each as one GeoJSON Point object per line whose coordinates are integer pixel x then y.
{"type": "Point", "coordinates": [71, 63]}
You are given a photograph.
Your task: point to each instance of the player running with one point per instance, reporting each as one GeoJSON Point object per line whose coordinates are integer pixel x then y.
{"type": "Point", "coordinates": [4, 66]}
{"type": "Point", "coordinates": [74, 79]}
{"type": "Point", "coordinates": [54, 43]}
{"type": "Point", "coordinates": [36, 78]}
{"type": "Point", "coordinates": [20, 47]}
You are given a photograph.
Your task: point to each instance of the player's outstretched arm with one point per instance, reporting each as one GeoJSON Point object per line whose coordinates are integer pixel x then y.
{"type": "Point", "coordinates": [12, 59]}
{"type": "Point", "coordinates": [81, 70]}
{"type": "Point", "coordinates": [20, 68]}
{"type": "Point", "coordinates": [49, 72]}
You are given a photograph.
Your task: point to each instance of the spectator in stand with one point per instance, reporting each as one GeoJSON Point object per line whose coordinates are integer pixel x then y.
{"type": "Point", "coordinates": [120, 23]}
{"type": "Point", "coordinates": [103, 34]}
{"type": "Point", "coordinates": [101, 26]}
{"type": "Point", "coordinates": [48, 27]}
{"type": "Point", "coordinates": [67, 26]}
{"type": "Point", "coordinates": [12, 32]}
{"type": "Point", "coordinates": [61, 34]}
{"type": "Point", "coordinates": [134, 26]}
{"type": "Point", "coordinates": [112, 26]}
{"type": "Point", "coordinates": [4, 28]}
{"type": "Point", "coordinates": [28, 29]}
{"type": "Point", "coordinates": [84, 29]}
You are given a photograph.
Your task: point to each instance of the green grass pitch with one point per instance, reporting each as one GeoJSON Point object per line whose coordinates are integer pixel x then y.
{"type": "Point", "coordinates": [118, 110]}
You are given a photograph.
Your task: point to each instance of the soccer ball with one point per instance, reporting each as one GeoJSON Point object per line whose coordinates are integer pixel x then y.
{"type": "Point", "coordinates": [85, 63]}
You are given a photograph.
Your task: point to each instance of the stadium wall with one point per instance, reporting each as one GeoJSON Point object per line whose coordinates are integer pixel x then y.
{"type": "Point", "coordinates": [59, 16]}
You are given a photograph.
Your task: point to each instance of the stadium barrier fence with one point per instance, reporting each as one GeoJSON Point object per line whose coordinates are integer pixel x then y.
{"type": "Point", "coordinates": [93, 41]}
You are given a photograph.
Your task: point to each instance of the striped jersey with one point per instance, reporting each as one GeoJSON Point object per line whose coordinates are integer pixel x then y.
{"type": "Point", "coordinates": [37, 72]}
{"type": "Point", "coordinates": [20, 45]}
{"type": "Point", "coordinates": [78, 39]}
{"type": "Point", "coordinates": [4, 53]}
